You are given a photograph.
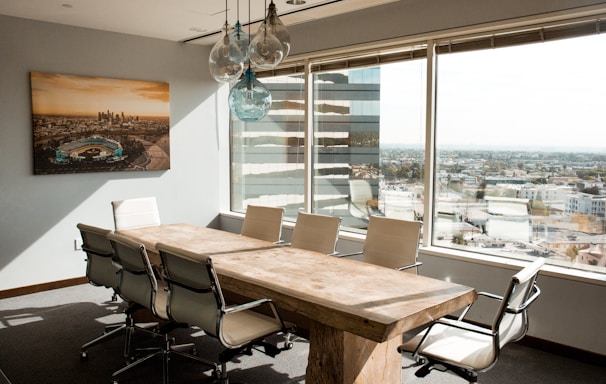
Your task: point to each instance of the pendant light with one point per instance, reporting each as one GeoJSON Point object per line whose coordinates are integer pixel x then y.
{"type": "Point", "coordinates": [249, 99]}
{"type": "Point", "coordinates": [221, 63]}
{"type": "Point", "coordinates": [275, 25]}
{"type": "Point", "coordinates": [241, 39]}
{"type": "Point", "coordinates": [265, 51]}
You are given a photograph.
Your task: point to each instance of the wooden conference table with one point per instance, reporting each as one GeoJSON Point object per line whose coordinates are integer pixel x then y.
{"type": "Point", "coordinates": [357, 311]}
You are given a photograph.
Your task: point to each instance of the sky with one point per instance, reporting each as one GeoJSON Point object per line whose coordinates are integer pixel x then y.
{"type": "Point", "coordinates": [81, 95]}
{"type": "Point", "coordinates": [545, 94]}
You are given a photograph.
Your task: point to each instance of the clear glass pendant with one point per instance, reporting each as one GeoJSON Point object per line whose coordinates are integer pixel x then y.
{"type": "Point", "coordinates": [265, 50]}
{"type": "Point", "coordinates": [242, 41]}
{"type": "Point", "coordinates": [249, 99]}
{"type": "Point", "coordinates": [222, 67]}
{"type": "Point", "coordinates": [275, 26]}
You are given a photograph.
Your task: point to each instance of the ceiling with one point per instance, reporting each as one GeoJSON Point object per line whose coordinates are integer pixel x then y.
{"type": "Point", "coordinates": [192, 21]}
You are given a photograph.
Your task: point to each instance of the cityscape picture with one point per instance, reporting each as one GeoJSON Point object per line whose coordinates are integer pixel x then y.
{"type": "Point", "coordinates": [94, 124]}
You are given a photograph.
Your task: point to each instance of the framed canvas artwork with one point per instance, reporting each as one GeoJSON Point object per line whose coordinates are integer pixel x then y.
{"type": "Point", "coordinates": [96, 124]}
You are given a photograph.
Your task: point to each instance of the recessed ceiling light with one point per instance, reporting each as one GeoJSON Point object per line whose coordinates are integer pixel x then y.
{"type": "Point", "coordinates": [295, 2]}
{"type": "Point", "coordinates": [67, 5]}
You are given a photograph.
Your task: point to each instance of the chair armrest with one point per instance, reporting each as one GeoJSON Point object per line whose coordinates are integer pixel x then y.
{"type": "Point", "coordinates": [465, 326]}
{"type": "Point", "coordinates": [524, 305]}
{"type": "Point", "coordinates": [480, 294]}
{"type": "Point", "coordinates": [490, 295]}
{"type": "Point", "coordinates": [347, 254]}
{"type": "Point", "coordinates": [417, 264]}
{"type": "Point", "coordinates": [246, 306]}
{"type": "Point", "coordinates": [102, 254]}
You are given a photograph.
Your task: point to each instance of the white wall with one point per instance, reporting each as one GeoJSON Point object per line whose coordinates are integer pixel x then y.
{"type": "Point", "coordinates": [38, 214]}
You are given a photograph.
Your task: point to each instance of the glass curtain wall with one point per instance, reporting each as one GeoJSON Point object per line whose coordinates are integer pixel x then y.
{"type": "Point", "coordinates": [521, 154]}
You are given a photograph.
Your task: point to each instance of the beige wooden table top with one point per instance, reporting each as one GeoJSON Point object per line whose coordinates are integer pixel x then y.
{"type": "Point", "coordinates": [374, 302]}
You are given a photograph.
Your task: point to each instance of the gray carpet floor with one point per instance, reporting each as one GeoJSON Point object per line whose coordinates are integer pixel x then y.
{"type": "Point", "coordinates": [41, 335]}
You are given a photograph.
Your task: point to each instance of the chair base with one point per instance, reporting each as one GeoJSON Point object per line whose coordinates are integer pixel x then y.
{"type": "Point", "coordinates": [165, 351]}
{"type": "Point", "coordinates": [129, 327]}
{"type": "Point", "coordinates": [429, 365]}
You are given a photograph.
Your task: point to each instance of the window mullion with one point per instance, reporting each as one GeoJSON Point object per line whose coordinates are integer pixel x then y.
{"type": "Point", "coordinates": [430, 148]}
{"type": "Point", "coordinates": [308, 137]}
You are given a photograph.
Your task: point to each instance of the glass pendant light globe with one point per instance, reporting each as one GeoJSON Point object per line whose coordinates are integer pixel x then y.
{"type": "Point", "coordinates": [242, 41]}
{"type": "Point", "coordinates": [275, 25]}
{"type": "Point", "coordinates": [222, 67]}
{"type": "Point", "coordinates": [265, 50]}
{"type": "Point", "coordinates": [249, 99]}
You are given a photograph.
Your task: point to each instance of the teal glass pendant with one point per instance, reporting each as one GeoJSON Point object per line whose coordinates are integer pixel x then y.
{"type": "Point", "coordinates": [242, 41]}
{"type": "Point", "coordinates": [249, 99]}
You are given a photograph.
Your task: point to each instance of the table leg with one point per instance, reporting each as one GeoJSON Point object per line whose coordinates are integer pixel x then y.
{"type": "Point", "coordinates": [339, 357]}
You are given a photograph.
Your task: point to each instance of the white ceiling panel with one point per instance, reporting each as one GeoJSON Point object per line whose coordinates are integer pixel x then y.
{"type": "Point", "coordinates": [195, 21]}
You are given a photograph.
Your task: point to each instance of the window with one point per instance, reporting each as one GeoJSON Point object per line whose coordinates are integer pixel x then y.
{"type": "Point", "coordinates": [520, 156]}
{"type": "Point", "coordinates": [368, 142]}
{"type": "Point", "coordinates": [518, 160]}
{"type": "Point", "coordinates": [268, 155]}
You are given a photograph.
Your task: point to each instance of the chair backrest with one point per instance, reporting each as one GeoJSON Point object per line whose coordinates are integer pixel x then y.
{"type": "Point", "coordinates": [511, 321]}
{"type": "Point", "coordinates": [264, 223]}
{"type": "Point", "coordinates": [100, 269]}
{"type": "Point", "coordinates": [360, 192]}
{"type": "Point", "coordinates": [392, 243]}
{"type": "Point", "coordinates": [137, 282]}
{"type": "Point", "coordinates": [135, 213]}
{"type": "Point", "coordinates": [316, 232]}
{"type": "Point", "coordinates": [194, 293]}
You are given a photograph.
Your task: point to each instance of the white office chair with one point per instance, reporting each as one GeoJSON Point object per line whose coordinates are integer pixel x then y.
{"type": "Point", "coordinates": [316, 232]}
{"type": "Point", "coordinates": [391, 243]}
{"type": "Point", "coordinates": [138, 284]}
{"type": "Point", "coordinates": [466, 349]}
{"type": "Point", "coordinates": [264, 223]}
{"type": "Point", "coordinates": [102, 271]}
{"type": "Point", "coordinates": [195, 297]}
{"type": "Point", "coordinates": [135, 213]}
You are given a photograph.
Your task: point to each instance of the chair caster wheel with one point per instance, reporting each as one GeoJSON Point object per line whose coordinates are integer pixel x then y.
{"type": "Point", "coordinates": [194, 352]}
{"type": "Point", "coordinates": [288, 345]}
{"type": "Point", "coordinates": [83, 356]}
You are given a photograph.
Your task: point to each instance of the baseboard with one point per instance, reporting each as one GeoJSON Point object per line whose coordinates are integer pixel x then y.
{"type": "Point", "coordinates": [42, 287]}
